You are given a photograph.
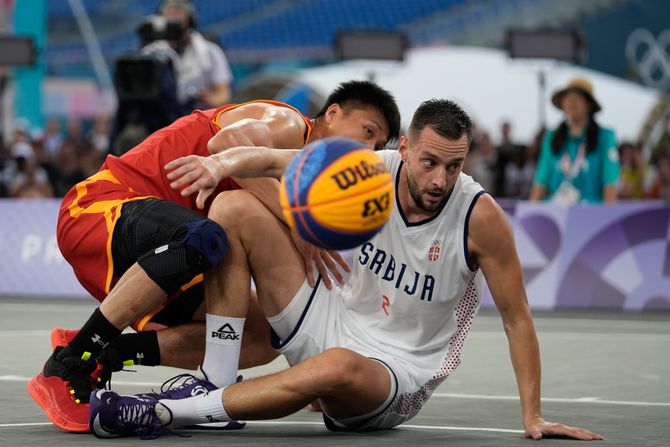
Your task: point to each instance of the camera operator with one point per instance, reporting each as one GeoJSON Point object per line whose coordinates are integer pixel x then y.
{"type": "Point", "coordinates": [150, 97]}
{"type": "Point", "coordinates": [176, 71]}
{"type": "Point", "coordinates": [203, 74]}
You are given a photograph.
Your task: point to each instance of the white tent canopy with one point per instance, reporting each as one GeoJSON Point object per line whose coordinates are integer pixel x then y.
{"type": "Point", "coordinates": [491, 87]}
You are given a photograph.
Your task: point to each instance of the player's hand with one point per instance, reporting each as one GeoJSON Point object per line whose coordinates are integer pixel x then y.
{"type": "Point", "coordinates": [195, 174]}
{"type": "Point", "coordinates": [326, 262]}
{"type": "Point", "coordinates": [538, 428]}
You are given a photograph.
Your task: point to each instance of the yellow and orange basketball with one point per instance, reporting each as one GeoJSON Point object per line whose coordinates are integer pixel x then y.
{"type": "Point", "coordinates": [336, 193]}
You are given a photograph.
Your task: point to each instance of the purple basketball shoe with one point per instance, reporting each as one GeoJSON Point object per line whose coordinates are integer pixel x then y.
{"type": "Point", "coordinates": [188, 385]}
{"type": "Point", "coordinates": [113, 416]}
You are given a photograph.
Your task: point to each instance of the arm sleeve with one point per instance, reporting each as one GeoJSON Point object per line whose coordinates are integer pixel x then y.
{"type": "Point", "coordinates": [611, 165]}
{"type": "Point", "coordinates": [221, 73]}
{"type": "Point", "coordinates": [543, 170]}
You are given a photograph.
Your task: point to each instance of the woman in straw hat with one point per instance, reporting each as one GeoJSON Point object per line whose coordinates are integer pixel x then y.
{"type": "Point", "coordinates": [579, 161]}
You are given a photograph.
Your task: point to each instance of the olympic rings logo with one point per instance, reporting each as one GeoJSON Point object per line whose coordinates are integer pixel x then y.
{"type": "Point", "coordinates": [650, 57]}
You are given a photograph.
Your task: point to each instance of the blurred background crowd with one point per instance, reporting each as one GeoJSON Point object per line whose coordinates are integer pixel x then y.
{"type": "Point", "coordinates": [42, 163]}
{"type": "Point", "coordinates": [153, 61]}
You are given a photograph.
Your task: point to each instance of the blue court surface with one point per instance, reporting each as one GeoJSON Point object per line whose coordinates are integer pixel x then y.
{"type": "Point", "coordinates": [608, 372]}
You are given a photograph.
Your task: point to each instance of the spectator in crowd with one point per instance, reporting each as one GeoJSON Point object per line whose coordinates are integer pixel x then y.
{"type": "Point", "coordinates": [519, 173]}
{"type": "Point", "coordinates": [19, 133]}
{"type": "Point", "coordinates": [660, 188]}
{"type": "Point", "coordinates": [19, 151]}
{"type": "Point", "coordinates": [99, 137]}
{"type": "Point", "coordinates": [579, 161]}
{"type": "Point", "coordinates": [481, 160]}
{"type": "Point", "coordinates": [52, 137]}
{"type": "Point", "coordinates": [632, 171]}
{"type": "Point", "coordinates": [505, 152]}
{"type": "Point", "coordinates": [663, 144]}
{"type": "Point", "coordinates": [4, 161]}
{"type": "Point", "coordinates": [69, 168]}
{"type": "Point", "coordinates": [75, 134]}
{"type": "Point", "coordinates": [30, 181]}
{"type": "Point", "coordinates": [44, 160]}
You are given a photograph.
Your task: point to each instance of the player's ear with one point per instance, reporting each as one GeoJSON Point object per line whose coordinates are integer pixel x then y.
{"type": "Point", "coordinates": [403, 147]}
{"type": "Point", "coordinates": [331, 112]}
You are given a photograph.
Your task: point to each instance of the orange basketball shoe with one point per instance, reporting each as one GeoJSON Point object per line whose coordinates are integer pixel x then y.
{"type": "Point", "coordinates": [63, 389]}
{"type": "Point", "coordinates": [62, 337]}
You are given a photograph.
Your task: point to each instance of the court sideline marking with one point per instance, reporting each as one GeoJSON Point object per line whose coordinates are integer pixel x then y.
{"type": "Point", "coordinates": [583, 400]}
{"type": "Point", "coordinates": [410, 426]}
{"type": "Point", "coordinates": [642, 337]}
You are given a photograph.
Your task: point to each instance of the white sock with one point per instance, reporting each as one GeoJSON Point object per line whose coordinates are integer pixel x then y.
{"type": "Point", "coordinates": [222, 349]}
{"type": "Point", "coordinates": [194, 410]}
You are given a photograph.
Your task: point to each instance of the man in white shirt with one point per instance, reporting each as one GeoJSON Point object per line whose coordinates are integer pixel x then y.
{"type": "Point", "coordinates": [203, 72]}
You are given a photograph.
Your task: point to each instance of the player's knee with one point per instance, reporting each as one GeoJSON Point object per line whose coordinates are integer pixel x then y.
{"type": "Point", "coordinates": [340, 368]}
{"type": "Point", "coordinates": [229, 207]}
{"type": "Point", "coordinates": [207, 241]}
{"type": "Point", "coordinates": [196, 247]}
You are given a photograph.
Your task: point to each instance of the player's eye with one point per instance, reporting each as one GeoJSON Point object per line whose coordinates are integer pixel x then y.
{"type": "Point", "coordinates": [453, 166]}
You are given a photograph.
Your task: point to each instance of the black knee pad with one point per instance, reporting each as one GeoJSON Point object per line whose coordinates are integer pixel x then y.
{"type": "Point", "coordinates": [196, 247]}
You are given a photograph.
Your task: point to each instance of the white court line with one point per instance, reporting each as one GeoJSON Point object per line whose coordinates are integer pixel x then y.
{"type": "Point", "coordinates": [25, 333]}
{"type": "Point", "coordinates": [487, 335]}
{"type": "Point", "coordinates": [15, 378]}
{"type": "Point", "coordinates": [294, 423]}
{"type": "Point", "coordinates": [47, 308]}
{"type": "Point", "coordinates": [412, 426]}
{"type": "Point", "coordinates": [582, 400]}
{"type": "Point", "coordinates": [579, 336]}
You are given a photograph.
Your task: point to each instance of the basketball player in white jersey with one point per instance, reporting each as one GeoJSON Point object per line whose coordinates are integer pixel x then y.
{"type": "Point", "coordinates": [373, 351]}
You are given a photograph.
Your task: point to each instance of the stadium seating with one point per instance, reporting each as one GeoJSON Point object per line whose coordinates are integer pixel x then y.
{"type": "Point", "coordinates": [238, 25]}
{"type": "Point", "coordinates": [253, 30]}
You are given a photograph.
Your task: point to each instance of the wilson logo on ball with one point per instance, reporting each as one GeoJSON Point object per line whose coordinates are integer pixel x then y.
{"type": "Point", "coordinates": [336, 193]}
{"type": "Point", "coordinates": [351, 176]}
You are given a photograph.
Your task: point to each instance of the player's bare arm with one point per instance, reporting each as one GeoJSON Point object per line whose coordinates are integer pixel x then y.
{"type": "Point", "coordinates": [491, 246]}
{"type": "Point", "coordinates": [198, 174]}
{"type": "Point", "coordinates": [537, 193]}
{"type": "Point", "coordinates": [252, 124]}
{"type": "Point", "coordinates": [259, 124]}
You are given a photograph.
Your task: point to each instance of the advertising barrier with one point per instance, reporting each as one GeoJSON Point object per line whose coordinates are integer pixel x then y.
{"type": "Point", "coordinates": [30, 262]}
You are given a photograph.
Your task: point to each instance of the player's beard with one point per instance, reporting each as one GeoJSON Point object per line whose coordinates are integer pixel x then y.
{"type": "Point", "coordinates": [417, 194]}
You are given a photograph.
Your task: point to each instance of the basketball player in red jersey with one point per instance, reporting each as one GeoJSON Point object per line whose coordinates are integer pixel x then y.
{"type": "Point", "coordinates": [141, 247]}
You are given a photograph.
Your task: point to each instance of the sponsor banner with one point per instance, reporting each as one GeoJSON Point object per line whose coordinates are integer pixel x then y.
{"type": "Point", "coordinates": [602, 257]}
{"type": "Point", "coordinates": [605, 257]}
{"type": "Point", "coordinates": [30, 261]}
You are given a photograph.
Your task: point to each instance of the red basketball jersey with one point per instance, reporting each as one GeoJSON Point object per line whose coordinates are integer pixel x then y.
{"type": "Point", "coordinates": [90, 209]}
{"type": "Point", "coordinates": [142, 168]}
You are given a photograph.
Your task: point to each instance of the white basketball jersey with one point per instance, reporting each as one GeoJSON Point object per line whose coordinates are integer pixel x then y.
{"type": "Point", "coordinates": [412, 290]}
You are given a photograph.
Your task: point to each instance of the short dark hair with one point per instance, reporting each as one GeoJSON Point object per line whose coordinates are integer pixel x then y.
{"type": "Point", "coordinates": [445, 117]}
{"type": "Point", "coordinates": [363, 95]}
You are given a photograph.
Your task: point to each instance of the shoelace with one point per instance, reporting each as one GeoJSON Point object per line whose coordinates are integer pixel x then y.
{"type": "Point", "coordinates": [144, 421]}
{"type": "Point", "coordinates": [171, 384]}
{"type": "Point", "coordinates": [77, 375]}
{"type": "Point", "coordinates": [110, 362]}
{"type": "Point", "coordinates": [186, 379]}
{"type": "Point", "coordinates": [174, 383]}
